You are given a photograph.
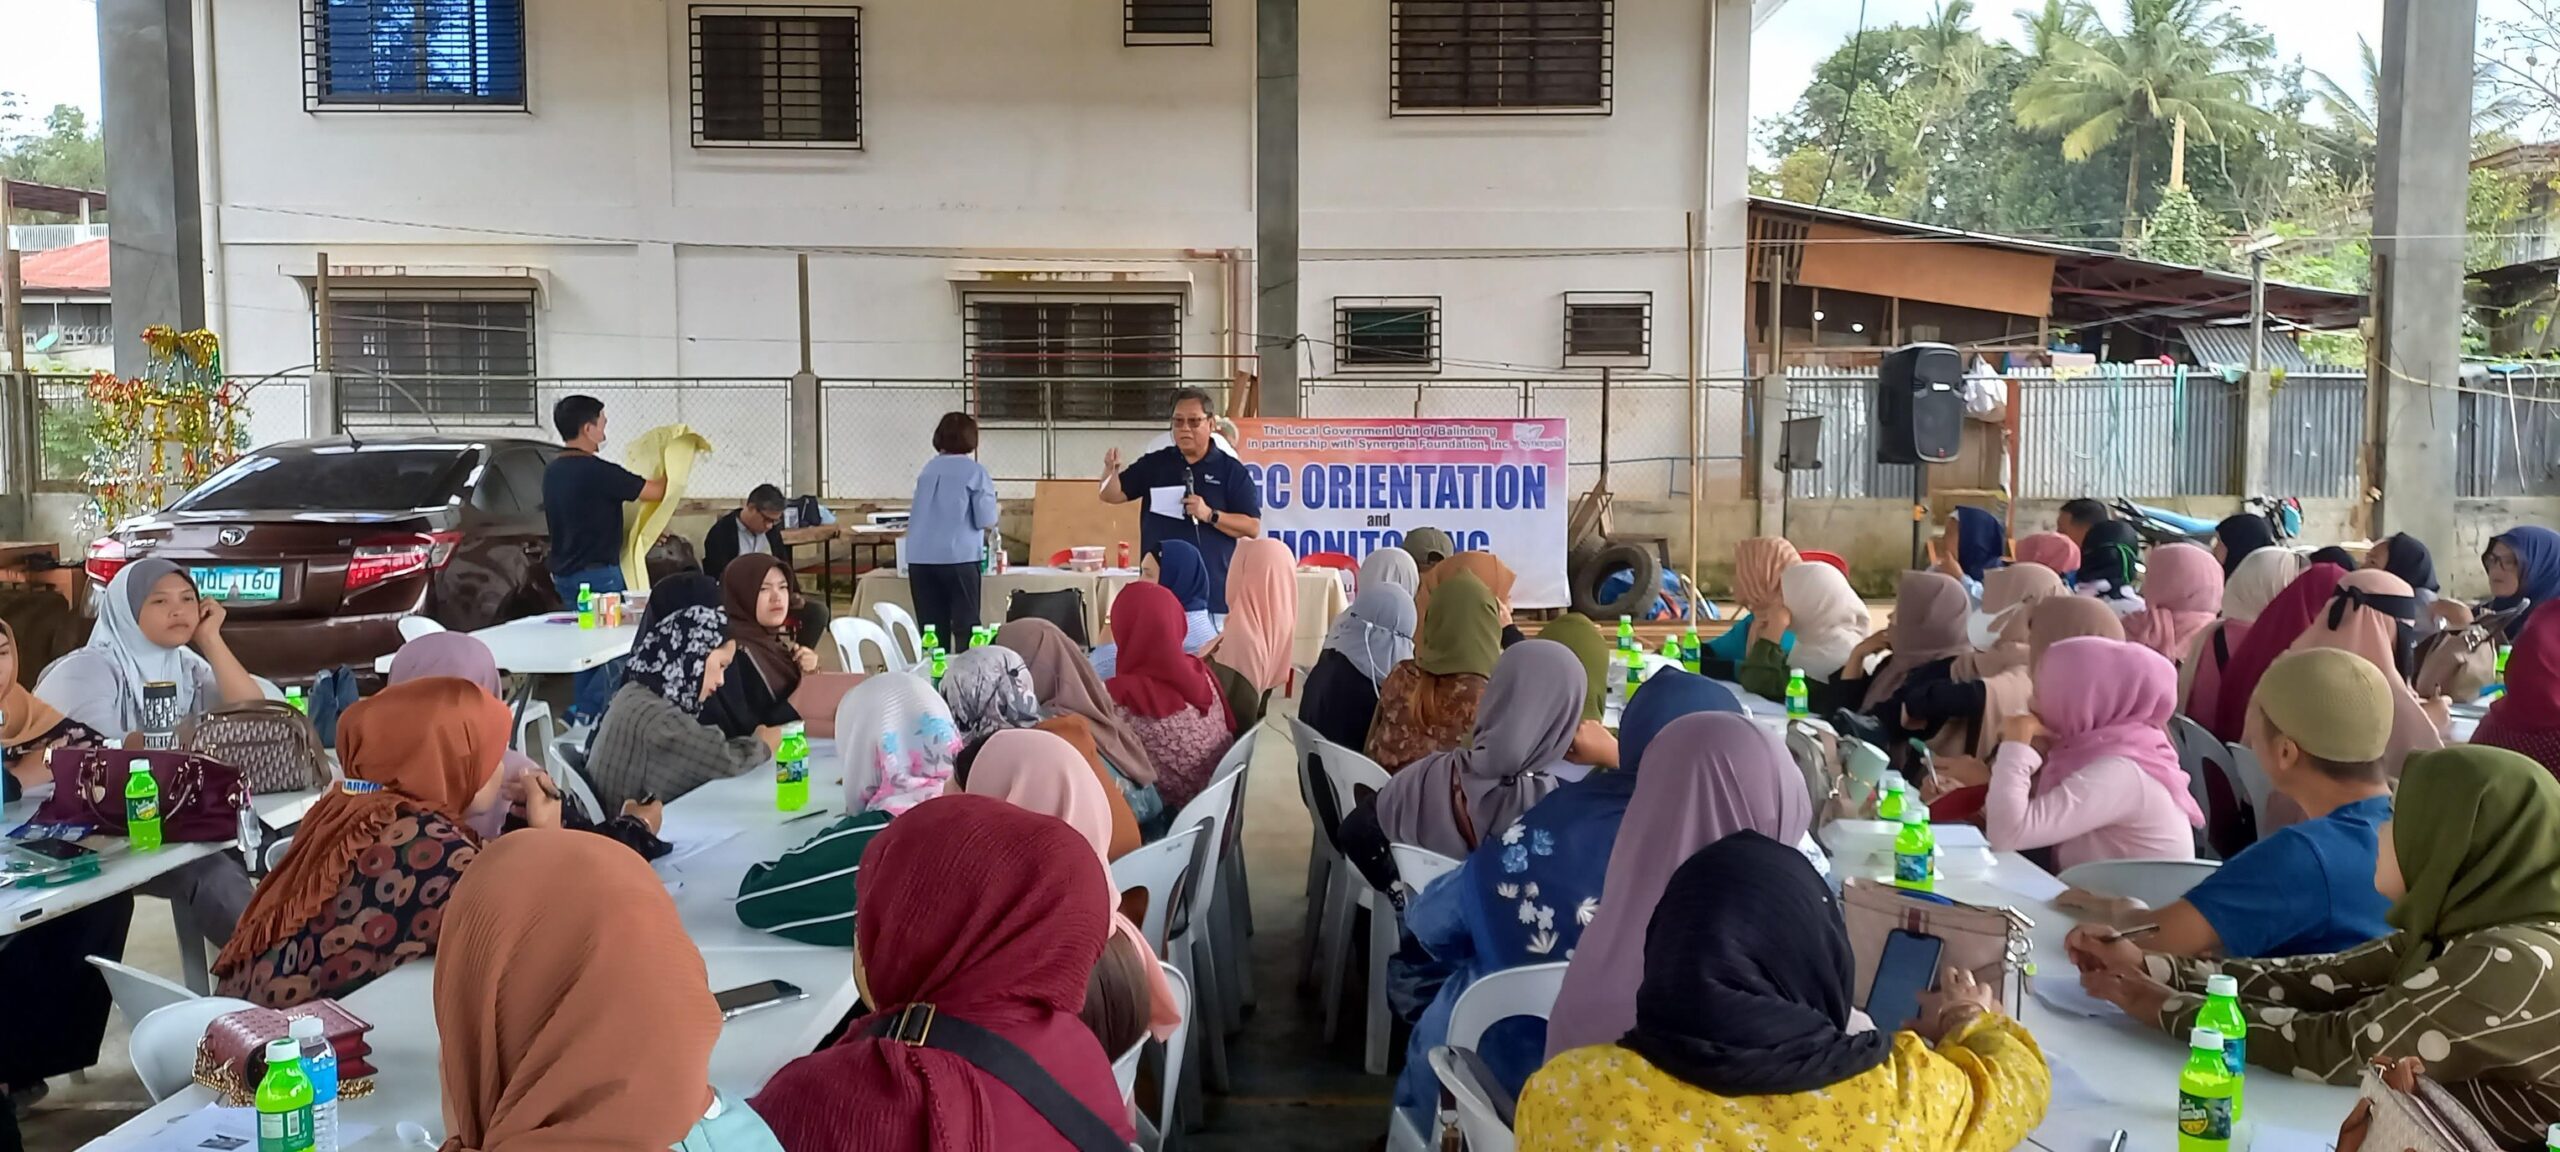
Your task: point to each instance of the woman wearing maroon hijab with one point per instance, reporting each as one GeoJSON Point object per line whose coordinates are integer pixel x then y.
{"type": "Point", "coordinates": [1167, 696]}
{"type": "Point", "coordinates": [991, 914]}
{"type": "Point", "coordinates": [2526, 719]}
{"type": "Point", "coordinates": [2287, 617]}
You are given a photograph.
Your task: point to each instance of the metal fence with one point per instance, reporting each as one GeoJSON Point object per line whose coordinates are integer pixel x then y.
{"type": "Point", "coordinates": [2506, 440]}
{"type": "Point", "coordinates": [2315, 441]}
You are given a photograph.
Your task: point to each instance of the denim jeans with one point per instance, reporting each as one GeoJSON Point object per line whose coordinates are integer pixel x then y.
{"type": "Point", "coordinates": [593, 687]}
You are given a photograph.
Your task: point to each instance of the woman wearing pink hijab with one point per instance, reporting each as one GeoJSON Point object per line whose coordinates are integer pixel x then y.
{"type": "Point", "coordinates": [1262, 620]}
{"type": "Point", "coordinates": [2107, 784]}
{"type": "Point", "coordinates": [2364, 616]}
{"type": "Point", "coordinates": [1711, 774]}
{"type": "Point", "coordinates": [2181, 595]}
{"type": "Point", "coordinates": [2051, 549]}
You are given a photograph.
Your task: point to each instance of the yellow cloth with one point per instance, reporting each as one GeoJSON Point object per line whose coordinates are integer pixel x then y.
{"type": "Point", "coordinates": [1982, 1090]}
{"type": "Point", "coordinates": [667, 450]}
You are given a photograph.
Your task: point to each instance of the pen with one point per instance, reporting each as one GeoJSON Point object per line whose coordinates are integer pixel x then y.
{"type": "Point", "coordinates": [2116, 1143]}
{"type": "Point", "coordinates": [2130, 933]}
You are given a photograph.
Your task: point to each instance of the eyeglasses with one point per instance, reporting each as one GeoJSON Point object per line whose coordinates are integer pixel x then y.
{"type": "Point", "coordinates": [2497, 561]}
{"type": "Point", "coordinates": [1190, 421]}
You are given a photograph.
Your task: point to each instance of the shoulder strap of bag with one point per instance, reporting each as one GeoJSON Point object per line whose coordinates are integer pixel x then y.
{"type": "Point", "coordinates": [918, 1025]}
{"type": "Point", "coordinates": [2221, 648]}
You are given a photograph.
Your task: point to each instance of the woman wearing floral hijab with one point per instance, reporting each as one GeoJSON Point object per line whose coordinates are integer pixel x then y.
{"type": "Point", "coordinates": [896, 745]}
{"type": "Point", "coordinates": [991, 690]}
{"type": "Point", "coordinates": [653, 743]}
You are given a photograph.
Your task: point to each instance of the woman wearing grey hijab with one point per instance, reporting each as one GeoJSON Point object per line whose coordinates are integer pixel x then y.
{"type": "Point", "coordinates": [152, 628]}
{"type": "Point", "coordinates": [1450, 801]}
{"type": "Point", "coordinates": [1366, 643]}
{"type": "Point", "coordinates": [1391, 566]}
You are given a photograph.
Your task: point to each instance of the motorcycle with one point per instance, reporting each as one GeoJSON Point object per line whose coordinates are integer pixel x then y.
{"type": "Point", "coordinates": [2158, 526]}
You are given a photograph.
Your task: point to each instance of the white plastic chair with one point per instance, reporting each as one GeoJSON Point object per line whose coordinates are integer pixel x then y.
{"type": "Point", "coordinates": [902, 627]}
{"type": "Point", "coordinates": [1157, 870]}
{"type": "Point", "coordinates": [1191, 936]}
{"type": "Point", "coordinates": [1235, 892]}
{"type": "Point", "coordinates": [2157, 883]}
{"type": "Point", "coordinates": [1345, 772]}
{"type": "Point", "coordinates": [1478, 1120]}
{"type": "Point", "coordinates": [268, 689]}
{"type": "Point", "coordinates": [851, 633]}
{"type": "Point", "coordinates": [1418, 866]}
{"type": "Point", "coordinates": [163, 1045]}
{"type": "Point", "coordinates": [276, 852]}
{"type": "Point", "coordinates": [534, 727]}
{"type": "Point", "coordinates": [2253, 778]}
{"type": "Point", "coordinates": [138, 993]}
{"type": "Point", "coordinates": [1158, 1134]}
{"type": "Point", "coordinates": [412, 627]}
{"type": "Point", "coordinates": [1321, 858]}
{"type": "Point", "coordinates": [1524, 991]}
{"type": "Point", "coordinates": [1124, 1068]}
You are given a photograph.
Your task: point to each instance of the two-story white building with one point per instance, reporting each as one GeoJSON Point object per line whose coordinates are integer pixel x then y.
{"type": "Point", "coordinates": [1045, 209]}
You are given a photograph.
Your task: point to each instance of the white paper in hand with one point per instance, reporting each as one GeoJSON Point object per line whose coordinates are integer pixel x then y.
{"type": "Point", "coordinates": [1165, 501]}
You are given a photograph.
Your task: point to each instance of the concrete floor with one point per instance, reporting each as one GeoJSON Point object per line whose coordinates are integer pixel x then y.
{"type": "Point", "coordinates": [1292, 1092]}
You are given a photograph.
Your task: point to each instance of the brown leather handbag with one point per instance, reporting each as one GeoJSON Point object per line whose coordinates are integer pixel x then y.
{"type": "Point", "coordinates": [200, 799]}
{"type": "Point", "coordinates": [2461, 661]}
{"type": "Point", "coordinates": [274, 747]}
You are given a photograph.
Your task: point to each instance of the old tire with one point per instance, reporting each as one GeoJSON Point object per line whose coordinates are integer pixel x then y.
{"type": "Point", "coordinates": [1587, 576]}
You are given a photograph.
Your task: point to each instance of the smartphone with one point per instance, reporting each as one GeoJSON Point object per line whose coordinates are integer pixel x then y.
{"type": "Point", "coordinates": [1908, 967]}
{"type": "Point", "coordinates": [55, 849]}
{"type": "Point", "coordinates": [747, 998]}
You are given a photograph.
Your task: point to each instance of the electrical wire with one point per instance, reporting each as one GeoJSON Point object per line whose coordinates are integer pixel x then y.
{"type": "Point", "coordinates": [1840, 130]}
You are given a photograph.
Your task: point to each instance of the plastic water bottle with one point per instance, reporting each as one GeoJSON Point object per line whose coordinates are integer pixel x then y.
{"type": "Point", "coordinates": [932, 641]}
{"type": "Point", "coordinates": [320, 1066]}
{"type": "Point", "coordinates": [1635, 674]}
{"type": "Point", "coordinates": [294, 699]}
{"type": "Point", "coordinates": [586, 606]}
{"type": "Point", "coordinates": [2222, 1014]}
{"type": "Point", "coordinates": [1799, 699]}
{"type": "Point", "coordinates": [1693, 655]}
{"type": "Point", "coordinates": [284, 1100]}
{"type": "Point", "coordinates": [1915, 850]}
{"type": "Point", "coordinates": [2551, 1139]}
{"type": "Point", "coordinates": [141, 806]}
{"type": "Point", "coordinates": [791, 769]}
{"type": "Point", "coordinates": [1889, 801]}
{"type": "Point", "coordinates": [1627, 633]}
{"type": "Point", "coordinates": [2206, 1089]}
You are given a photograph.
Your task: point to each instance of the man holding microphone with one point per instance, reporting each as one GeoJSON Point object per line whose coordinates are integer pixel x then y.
{"type": "Point", "coordinates": [1189, 491]}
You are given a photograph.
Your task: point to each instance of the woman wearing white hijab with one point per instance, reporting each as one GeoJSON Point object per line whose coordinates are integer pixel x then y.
{"type": "Point", "coordinates": [1391, 566]}
{"type": "Point", "coordinates": [1366, 642]}
{"type": "Point", "coordinates": [1828, 620]}
{"type": "Point", "coordinates": [152, 628]}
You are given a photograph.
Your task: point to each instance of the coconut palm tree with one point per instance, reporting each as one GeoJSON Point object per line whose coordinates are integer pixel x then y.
{"type": "Point", "coordinates": [2185, 67]}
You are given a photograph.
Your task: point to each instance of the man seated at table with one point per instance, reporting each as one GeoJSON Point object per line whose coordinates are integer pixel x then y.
{"type": "Point", "coordinates": [754, 528]}
{"type": "Point", "coordinates": [2321, 729]}
{"type": "Point", "coordinates": [1210, 495]}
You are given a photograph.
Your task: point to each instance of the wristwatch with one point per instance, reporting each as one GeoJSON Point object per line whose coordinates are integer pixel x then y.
{"type": "Point", "coordinates": [1213, 517]}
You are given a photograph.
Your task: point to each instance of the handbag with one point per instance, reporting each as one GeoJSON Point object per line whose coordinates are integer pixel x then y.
{"type": "Point", "coordinates": [274, 747]}
{"type": "Point", "coordinates": [2461, 662]}
{"type": "Point", "coordinates": [918, 1025]}
{"type": "Point", "coordinates": [1990, 943]}
{"type": "Point", "coordinates": [2428, 1119]}
{"type": "Point", "coordinates": [200, 799]}
{"type": "Point", "coordinates": [232, 1057]}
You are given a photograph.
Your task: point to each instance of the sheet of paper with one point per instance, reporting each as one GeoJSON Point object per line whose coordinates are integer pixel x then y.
{"type": "Point", "coordinates": [1165, 501]}
{"type": "Point", "coordinates": [2270, 1138]}
{"type": "Point", "coordinates": [2061, 992]}
{"type": "Point", "coordinates": [2025, 880]}
{"type": "Point", "coordinates": [1958, 836]}
{"type": "Point", "coordinates": [2071, 1091]}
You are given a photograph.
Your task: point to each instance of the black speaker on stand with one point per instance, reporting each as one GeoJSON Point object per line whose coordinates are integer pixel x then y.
{"type": "Point", "coordinates": [1920, 419]}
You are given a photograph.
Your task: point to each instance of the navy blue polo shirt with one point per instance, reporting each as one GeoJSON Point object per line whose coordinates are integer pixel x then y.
{"type": "Point", "coordinates": [1220, 480]}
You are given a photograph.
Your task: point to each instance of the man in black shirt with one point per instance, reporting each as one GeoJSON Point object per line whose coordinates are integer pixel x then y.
{"type": "Point", "coordinates": [582, 496]}
{"type": "Point", "coordinates": [1190, 491]}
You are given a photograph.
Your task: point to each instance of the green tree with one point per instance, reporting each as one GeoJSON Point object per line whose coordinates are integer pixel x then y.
{"type": "Point", "coordinates": [64, 149]}
{"type": "Point", "coordinates": [2181, 233]}
{"type": "Point", "coordinates": [2171, 62]}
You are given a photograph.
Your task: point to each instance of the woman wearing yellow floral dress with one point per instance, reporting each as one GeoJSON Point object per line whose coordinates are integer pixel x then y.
{"type": "Point", "coordinates": [1742, 1036]}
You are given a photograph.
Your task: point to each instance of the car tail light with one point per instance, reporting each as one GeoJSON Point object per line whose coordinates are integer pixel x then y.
{"type": "Point", "coordinates": [391, 557]}
{"type": "Point", "coordinates": [106, 558]}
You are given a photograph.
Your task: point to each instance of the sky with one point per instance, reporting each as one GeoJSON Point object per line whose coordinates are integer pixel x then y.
{"type": "Point", "coordinates": [48, 48]}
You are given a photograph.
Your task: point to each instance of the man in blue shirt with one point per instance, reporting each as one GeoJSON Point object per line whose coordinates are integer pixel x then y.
{"type": "Point", "coordinates": [1190, 490]}
{"type": "Point", "coordinates": [582, 496]}
{"type": "Point", "coordinates": [2322, 727]}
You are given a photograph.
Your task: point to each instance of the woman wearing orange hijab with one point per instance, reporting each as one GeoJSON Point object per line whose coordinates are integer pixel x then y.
{"type": "Point", "coordinates": [542, 1003]}
{"type": "Point", "coordinates": [1496, 576]}
{"type": "Point", "coordinates": [363, 889]}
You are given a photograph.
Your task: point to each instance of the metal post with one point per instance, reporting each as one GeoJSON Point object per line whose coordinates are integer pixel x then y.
{"type": "Point", "coordinates": [321, 397]}
{"type": "Point", "coordinates": [1771, 405]}
{"type": "Point", "coordinates": [2257, 314]}
{"type": "Point", "coordinates": [17, 396]}
{"type": "Point", "coordinates": [1604, 429]}
{"type": "Point", "coordinates": [808, 418]}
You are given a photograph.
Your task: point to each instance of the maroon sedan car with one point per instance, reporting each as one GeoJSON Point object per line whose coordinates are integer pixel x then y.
{"type": "Point", "coordinates": [319, 547]}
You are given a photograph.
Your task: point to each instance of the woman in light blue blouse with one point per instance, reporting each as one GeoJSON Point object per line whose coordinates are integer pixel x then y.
{"type": "Point", "coordinates": [947, 525]}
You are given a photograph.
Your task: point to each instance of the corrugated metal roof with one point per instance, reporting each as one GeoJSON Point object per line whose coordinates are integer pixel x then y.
{"type": "Point", "coordinates": [2222, 346]}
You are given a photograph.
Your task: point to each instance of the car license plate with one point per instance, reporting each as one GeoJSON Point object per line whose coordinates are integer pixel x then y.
{"type": "Point", "coordinates": [242, 584]}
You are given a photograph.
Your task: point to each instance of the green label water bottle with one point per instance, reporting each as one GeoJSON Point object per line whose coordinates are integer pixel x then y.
{"type": "Point", "coordinates": [2551, 1139]}
{"type": "Point", "coordinates": [1627, 633]}
{"type": "Point", "coordinates": [791, 768]}
{"type": "Point", "coordinates": [586, 606]}
{"type": "Point", "coordinates": [1799, 698]}
{"type": "Point", "coordinates": [2205, 1090]}
{"type": "Point", "coordinates": [284, 1100]}
{"type": "Point", "coordinates": [2222, 1014]}
{"type": "Point", "coordinates": [1635, 674]}
{"type": "Point", "coordinates": [1693, 655]}
{"type": "Point", "coordinates": [1889, 803]}
{"type": "Point", "coordinates": [141, 806]}
{"type": "Point", "coordinates": [1915, 850]}
{"type": "Point", "coordinates": [294, 699]}
{"type": "Point", "coordinates": [932, 641]}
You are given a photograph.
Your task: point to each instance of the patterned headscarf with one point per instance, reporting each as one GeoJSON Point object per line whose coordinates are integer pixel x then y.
{"type": "Point", "coordinates": [669, 657]}
{"type": "Point", "coordinates": [896, 742]}
{"type": "Point", "coordinates": [989, 690]}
